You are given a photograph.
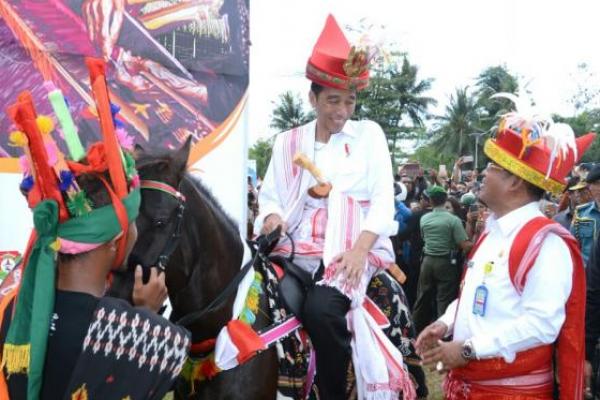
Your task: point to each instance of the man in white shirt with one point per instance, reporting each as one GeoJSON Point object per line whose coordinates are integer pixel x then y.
{"type": "Point", "coordinates": [523, 288]}
{"type": "Point", "coordinates": [353, 157]}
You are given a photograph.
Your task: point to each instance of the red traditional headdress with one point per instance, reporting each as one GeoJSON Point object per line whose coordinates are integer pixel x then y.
{"type": "Point", "coordinates": [535, 148]}
{"type": "Point", "coordinates": [334, 63]}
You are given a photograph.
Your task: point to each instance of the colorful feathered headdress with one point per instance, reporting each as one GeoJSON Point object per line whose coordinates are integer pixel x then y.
{"type": "Point", "coordinates": [64, 219]}
{"type": "Point", "coordinates": [534, 147]}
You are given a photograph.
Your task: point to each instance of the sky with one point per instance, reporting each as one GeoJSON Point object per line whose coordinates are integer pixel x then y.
{"type": "Point", "coordinates": [451, 41]}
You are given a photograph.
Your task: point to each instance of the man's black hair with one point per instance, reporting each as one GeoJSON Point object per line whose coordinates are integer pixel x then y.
{"type": "Point", "coordinates": [534, 191]}
{"type": "Point", "coordinates": [98, 196]}
{"type": "Point", "coordinates": [316, 88]}
{"type": "Point", "coordinates": [438, 199]}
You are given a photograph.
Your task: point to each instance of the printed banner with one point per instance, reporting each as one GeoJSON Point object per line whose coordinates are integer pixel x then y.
{"type": "Point", "coordinates": [175, 68]}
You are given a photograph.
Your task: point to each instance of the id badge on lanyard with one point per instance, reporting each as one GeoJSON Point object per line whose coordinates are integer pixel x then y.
{"type": "Point", "coordinates": [482, 292]}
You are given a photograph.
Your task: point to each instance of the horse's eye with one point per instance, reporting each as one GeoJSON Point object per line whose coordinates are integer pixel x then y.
{"type": "Point", "coordinates": [159, 224]}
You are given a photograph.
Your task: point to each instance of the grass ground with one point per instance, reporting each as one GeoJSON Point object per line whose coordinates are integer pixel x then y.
{"type": "Point", "coordinates": [434, 383]}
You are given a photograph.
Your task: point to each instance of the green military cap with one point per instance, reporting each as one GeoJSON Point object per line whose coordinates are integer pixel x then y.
{"type": "Point", "coordinates": [594, 174]}
{"type": "Point", "coordinates": [436, 191]}
{"type": "Point", "coordinates": [468, 199]}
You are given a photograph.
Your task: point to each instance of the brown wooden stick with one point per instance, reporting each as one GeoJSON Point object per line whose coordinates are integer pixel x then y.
{"type": "Point", "coordinates": [323, 187]}
{"type": "Point", "coordinates": [301, 160]}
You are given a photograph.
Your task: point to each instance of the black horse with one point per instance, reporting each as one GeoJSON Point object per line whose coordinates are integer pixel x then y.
{"type": "Point", "coordinates": [205, 260]}
{"type": "Point", "coordinates": [202, 261]}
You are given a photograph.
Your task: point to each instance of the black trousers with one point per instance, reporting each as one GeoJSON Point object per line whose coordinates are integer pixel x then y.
{"type": "Point", "coordinates": [324, 317]}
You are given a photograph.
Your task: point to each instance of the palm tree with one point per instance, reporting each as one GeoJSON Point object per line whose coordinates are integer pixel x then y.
{"type": "Point", "coordinates": [490, 81]}
{"type": "Point", "coordinates": [289, 112]}
{"type": "Point", "coordinates": [261, 152]}
{"type": "Point", "coordinates": [460, 119]}
{"type": "Point", "coordinates": [396, 100]}
{"type": "Point", "coordinates": [412, 101]}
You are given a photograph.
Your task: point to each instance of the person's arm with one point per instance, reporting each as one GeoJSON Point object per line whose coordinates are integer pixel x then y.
{"type": "Point", "coordinates": [449, 315]}
{"type": "Point", "coordinates": [412, 226]}
{"type": "Point", "coordinates": [592, 306]}
{"type": "Point", "coordinates": [404, 211]}
{"type": "Point", "coordinates": [103, 19]}
{"type": "Point", "coordinates": [471, 224]}
{"type": "Point", "coordinates": [379, 221]}
{"type": "Point", "coordinates": [151, 295]}
{"type": "Point", "coordinates": [456, 172]}
{"type": "Point", "coordinates": [543, 302]}
{"type": "Point", "coordinates": [352, 262]}
{"type": "Point", "coordinates": [380, 218]}
{"type": "Point", "coordinates": [444, 326]}
{"type": "Point", "coordinates": [460, 236]}
{"type": "Point", "coordinates": [268, 197]}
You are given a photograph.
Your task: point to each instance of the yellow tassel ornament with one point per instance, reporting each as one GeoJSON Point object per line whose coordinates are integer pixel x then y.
{"type": "Point", "coordinates": [45, 124]}
{"type": "Point", "coordinates": [18, 139]}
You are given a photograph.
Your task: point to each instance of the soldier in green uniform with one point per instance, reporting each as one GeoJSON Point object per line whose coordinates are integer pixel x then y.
{"type": "Point", "coordinates": [442, 233]}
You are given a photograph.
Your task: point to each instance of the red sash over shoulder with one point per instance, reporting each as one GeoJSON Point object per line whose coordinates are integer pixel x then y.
{"type": "Point", "coordinates": [476, 379]}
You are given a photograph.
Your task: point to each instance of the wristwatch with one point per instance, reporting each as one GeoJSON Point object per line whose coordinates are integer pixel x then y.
{"type": "Point", "coordinates": [468, 353]}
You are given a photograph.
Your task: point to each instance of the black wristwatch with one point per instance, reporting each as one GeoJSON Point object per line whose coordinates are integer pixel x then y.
{"type": "Point", "coordinates": [468, 353]}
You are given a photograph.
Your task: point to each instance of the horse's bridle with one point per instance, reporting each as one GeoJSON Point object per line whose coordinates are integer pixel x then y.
{"type": "Point", "coordinates": [175, 235]}
{"type": "Point", "coordinates": [261, 243]}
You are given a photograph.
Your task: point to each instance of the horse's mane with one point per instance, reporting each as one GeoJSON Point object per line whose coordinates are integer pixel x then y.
{"type": "Point", "coordinates": [210, 198]}
{"type": "Point", "coordinates": [155, 158]}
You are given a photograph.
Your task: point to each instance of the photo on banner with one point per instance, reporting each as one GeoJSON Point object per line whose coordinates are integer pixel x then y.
{"type": "Point", "coordinates": [176, 69]}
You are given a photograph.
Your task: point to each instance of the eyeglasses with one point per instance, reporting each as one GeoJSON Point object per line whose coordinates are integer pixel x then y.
{"type": "Point", "coordinates": [496, 167]}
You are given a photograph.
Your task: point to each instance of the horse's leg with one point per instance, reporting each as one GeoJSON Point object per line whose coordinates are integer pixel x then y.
{"type": "Point", "coordinates": [254, 380]}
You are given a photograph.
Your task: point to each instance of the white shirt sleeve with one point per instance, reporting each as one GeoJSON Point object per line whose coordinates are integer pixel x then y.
{"type": "Point", "coordinates": [380, 218]}
{"type": "Point", "coordinates": [268, 197]}
{"type": "Point", "coordinates": [544, 296]}
{"type": "Point", "coordinates": [449, 316]}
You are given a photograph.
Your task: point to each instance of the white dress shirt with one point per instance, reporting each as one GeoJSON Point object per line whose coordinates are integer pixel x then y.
{"type": "Point", "coordinates": [357, 162]}
{"type": "Point", "coordinates": [513, 322]}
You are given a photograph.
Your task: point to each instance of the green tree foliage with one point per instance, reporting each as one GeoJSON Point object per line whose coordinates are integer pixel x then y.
{"type": "Point", "coordinates": [458, 122]}
{"type": "Point", "coordinates": [429, 157]}
{"type": "Point", "coordinates": [587, 88]}
{"type": "Point", "coordinates": [289, 112]}
{"type": "Point", "coordinates": [490, 81]}
{"type": "Point", "coordinates": [261, 152]}
{"type": "Point", "coordinates": [396, 99]}
{"type": "Point", "coordinates": [470, 111]}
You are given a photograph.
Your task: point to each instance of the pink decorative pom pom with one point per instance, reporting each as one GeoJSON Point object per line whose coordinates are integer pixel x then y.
{"type": "Point", "coordinates": [24, 164]}
{"type": "Point", "coordinates": [125, 140]}
{"type": "Point", "coordinates": [52, 152]}
{"type": "Point", "coordinates": [135, 182]}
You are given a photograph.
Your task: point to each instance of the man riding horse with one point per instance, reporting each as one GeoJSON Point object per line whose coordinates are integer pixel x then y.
{"type": "Point", "coordinates": [340, 221]}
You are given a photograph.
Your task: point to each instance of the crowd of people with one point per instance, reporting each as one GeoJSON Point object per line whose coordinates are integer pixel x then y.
{"type": "Point", "coordinates": [455, 197]}
{"type": "Point", "coordinates": [494, 260]}
{"type": "Point", "coordinates": [439, 219]}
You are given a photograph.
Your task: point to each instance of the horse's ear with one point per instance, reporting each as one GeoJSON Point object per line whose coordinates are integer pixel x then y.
{"type": "Point", "coordinates": [181, 156]}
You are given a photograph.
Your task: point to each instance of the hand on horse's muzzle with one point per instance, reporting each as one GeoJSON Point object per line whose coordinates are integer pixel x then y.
{"type": "Point", "coordinates": [151, 294]}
